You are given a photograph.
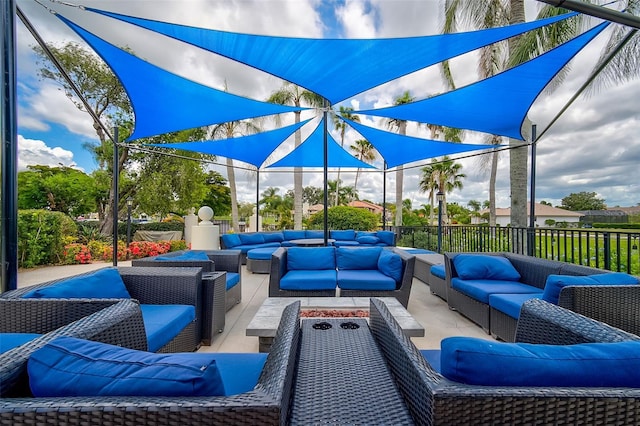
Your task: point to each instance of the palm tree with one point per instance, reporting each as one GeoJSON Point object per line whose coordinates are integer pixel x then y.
{"type": "Point", "coordinates": [291, 94]}
{"type": "Point", "coordinates": [444, 176]}
{"type": "Point", "coordinates": [341, 125]}
{"type": "Point", "coordinates": [363, 151]}
{"type": "Point", "coordinates": [226, 131]}
{"type": "Point", "coordinates": [401, 126]}
{"type": "Point", "coordinates": [428, 184]}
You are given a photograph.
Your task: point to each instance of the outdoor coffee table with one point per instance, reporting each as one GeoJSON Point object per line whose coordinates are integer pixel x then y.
{"type": "Point", "coordinates": [342, 377]}
{"type": "Point", "coordinates": [265, 322]}
{"type": "Point", "coordinates": [312, 242]}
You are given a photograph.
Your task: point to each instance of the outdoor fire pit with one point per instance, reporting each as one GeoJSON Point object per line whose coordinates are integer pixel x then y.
{"type": "Point", "coordinates": [333, 313]}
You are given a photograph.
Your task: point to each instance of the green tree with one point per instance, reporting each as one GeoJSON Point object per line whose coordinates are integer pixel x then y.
{"type": "Point", "coordinates": [106, 98]}
{"type": "Point", "coordinates": [341, 126]}
{"type": "Point", "coordinates": [583, 201]}
{"type": "Point", "coordinates": [219, 194]}
{"type": "Point", "coordinates": [345, 217]}
{"type": "Point", "coordinates": [363, 151]}
{"type": "Point", "coordinates": [61, 189]}
{"type": "Point", "coordinates": [291, 94]}
{"type": "Point", "coordinates": [401, 127]}
{"type": "Point", "coordinates": [443, 175]}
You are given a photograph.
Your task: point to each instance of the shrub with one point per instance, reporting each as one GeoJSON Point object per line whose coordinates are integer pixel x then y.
{"type": "Point", "coordinates": [344, 217]}
{"type": "Point", "coordinates": [177, 245]}
{"type": "Point", "coordinates": [140, 249]}
{"type": "Point", "coordinates": [76, 253]}
{"type": "Point", "coordinates": [41, 237]}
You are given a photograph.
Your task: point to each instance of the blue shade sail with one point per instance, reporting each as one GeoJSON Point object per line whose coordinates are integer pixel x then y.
{"type": "Point", "coordinates": [252, 149]}
{"type": "Point", "coordinates": [399, 149]}
{"type": "Point", "coordinates": [336, 69]}
{"type": "Point", "coordinates": [311, 153]}
{"type": "Point", "coordinates": [497, 105]}
{"type": "Point", "coordinates": [164, 102]}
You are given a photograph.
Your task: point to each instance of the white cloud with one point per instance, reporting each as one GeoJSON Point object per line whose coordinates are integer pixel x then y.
{"type": "Point", "coordinates": [36, 152]}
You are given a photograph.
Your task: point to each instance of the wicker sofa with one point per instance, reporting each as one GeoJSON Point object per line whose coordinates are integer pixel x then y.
{"type": "Point", "coordinates": [435, 400]}
{"type": "Point", "coordinates": [149, 286]}
{"type": "Point", "coordinates": [118, 324]}
{"type": "Point", "coordinates": [401, 291]}
{"type": "Point", "coordinates": [267, 404]}
{"type": "Point", "coordinates": [533, 272]}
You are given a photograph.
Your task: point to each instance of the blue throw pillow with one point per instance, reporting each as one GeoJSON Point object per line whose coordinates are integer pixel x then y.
{"type": "Point", "coordinates": [343, 235]}
{"type": "Point", "coordinates": [387, 237]}
{"type": "Point", "coordinates": [251, 238]}
{"type": "Point", "coordinates": [368, 239]}
{"type": "Point", "coordinates": [390, 264]}
{"type": "Point", "coordinates": [69, 367]}
{"type": "Point", "coordinates": [313, 234]}
{"type": "Point", "coordinates": [273, 237]}
{"type": "Point", "coordinates": [357, 257]}
{"type": "Point", "coordinates": [489, 363]}
{"type": "Point", "coordinates": [293, 235]}
{"type": "Point", "coordinates": [102, 284]}
{"type": "Point", "coordinates": [231, 240]}
{"type": "Point", "coordinates": [187, 255]}
{"type": "Point", "coordinates": [311, 258]}
{"type": "Point", "coordinates": [484, 267]}
{"type": "Point", "coordinates": [555, 283]}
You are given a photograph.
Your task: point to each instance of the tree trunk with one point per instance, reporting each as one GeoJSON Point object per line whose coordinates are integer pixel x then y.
{"type": "Point", "coordinates": [492, 188]}
{"type": "Point", "coordinates": [297, 182]}
{"type": "Point", "coordinates": [106, 227]}
{"type": "Point", "coordinates": [231, 175]}
{"type": "Point", "coordinates": [402, 129]}
{"type": "Point", "coordinates": [518, 153]}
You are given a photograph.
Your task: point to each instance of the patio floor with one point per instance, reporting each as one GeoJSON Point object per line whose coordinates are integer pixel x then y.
{"type": "Point", "coordinates": [429, 310]}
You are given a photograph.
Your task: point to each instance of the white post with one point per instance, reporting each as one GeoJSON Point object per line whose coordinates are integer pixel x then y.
{"type": "Point", "coordinates": [205, 235]}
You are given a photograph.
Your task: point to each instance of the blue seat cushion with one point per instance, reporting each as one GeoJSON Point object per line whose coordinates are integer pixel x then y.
{"type": "Point", "coordinates": [231, 240]}
{"type": "Point", "coordinates": [239, 371]}
{"type": "Point", "coordinates": [481, 289]}
{"type": "Point", "coordinates": [256, 238]}
{"type": "Point", "coordinates": [555, 283]}
{"type": "Point", "coordinates": [261, 253]}
{"type": "Point", "coordinates": [510, 304]}
{"type": "Point", "coordinates": [290, 234]}
{"type": "Point", "coordinates": [357, 257]}
{"type": "Point", "coordinates": [438, 271]}
{"type": "Point", "coordinates": [313, 234]}
{"type": "Point", "coordinates": [309, 280]}
{"type": "Point", "coordinates": [187, 255]}
{"type": "Point", "coordinates": [233, 278]}
{"type": "Point", "coordinates": [68, 367]}
{"type": "Point", "coordinates": [104, 283]}
{"type": "Point", "coordinates": [311, 258]}
{"type": "Point", "coordinates": [11, 340]}
{"type": "Point", "coordinates": [365, 280]}
{"type": "Point", "coordinates": [164, 322]}
{"type": "Point", "coordinates": [273, 237]}
{"type": "Point", "coordinates": [386, 237]}
{"type": "Point", "coordinates": [244, 248]}
{"type": "Point", "coordinates": [390, 264]}
{"type": "Point", "coordinates": [489, 363]}
{"type": "Point", "coordinates": [345, 243]}
{"type": "Point", "coordinates": [343, 235]}
{"type": "Point", "coordinates": [419, 251]}
{"type": "Point", "coordinates": [433, 358]}
{"type": "Point", "coordinates": [485, 267]}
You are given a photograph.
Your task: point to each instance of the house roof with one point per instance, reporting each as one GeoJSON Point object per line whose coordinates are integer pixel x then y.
{"type": "Point", "coordinates": [365, 205]}
{"type": "Point", "coordinates": [540, 210]}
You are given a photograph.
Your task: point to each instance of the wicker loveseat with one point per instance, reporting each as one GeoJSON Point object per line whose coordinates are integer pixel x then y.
{"type": "Point", "coordinates": [267, 404]}
{"type": "Point", "coordinates": [435, 400]}
{"type": "Point", "coordinates": [496, 307]}
{"type": "Point", "coordinates": [154, 287]}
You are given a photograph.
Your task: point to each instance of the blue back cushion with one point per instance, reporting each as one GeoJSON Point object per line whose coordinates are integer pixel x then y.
{"type": "Point", "coordinates": [313, 234]}
{"type": "Point", "coordinates": [489, 363]}
{"type": "Point", "coordinates": [293, 235]}
{"type": "Point", "coordinates": [310, 258]}
{"type": "Point", "coordinates": [187, 255]}
{"type": "Point", "coordinates": [74, 367]}
{"type": "Point", "coordinates": [390, 264]}
{"type": "Point", "coordinates": [555, 283]}
{"type": "Point", "coordinates": [387, 237]}
{"type": "Point", "coordinates": [102, 284]}
{"type": "Point", "coordinates": [368, 239]}
{"type": "Point", "coordinates": [239, 371]}
{"type": "Point", "coordinates": [251, 238]}
{"type": "Point", "coordinates": [273, 237]}
{"type": "Point", "coordinates": [344, 235]}
{"type": "Point", "coordinates": [438, 271]}
{"type": "Point", "coordinates": [484, 267]}
{"type": "Point", "coordinates": [357, 257]}
{"type": "Point", "coordinates": [231, 240]}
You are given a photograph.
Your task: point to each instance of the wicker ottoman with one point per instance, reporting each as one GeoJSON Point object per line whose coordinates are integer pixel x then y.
{"type": "Point", "coordinates": [259, 260]}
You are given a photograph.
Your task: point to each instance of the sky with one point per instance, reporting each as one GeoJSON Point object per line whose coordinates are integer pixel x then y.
{"type": "Point", "coordinates": [593, 147]}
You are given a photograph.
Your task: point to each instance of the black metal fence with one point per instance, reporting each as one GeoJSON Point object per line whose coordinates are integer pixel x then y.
{"type": "Point", "coordinates": [613, 250]}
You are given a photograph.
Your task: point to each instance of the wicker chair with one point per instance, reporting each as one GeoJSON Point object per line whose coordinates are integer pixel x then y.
{"type": "Point", "coordinates": [267, 404]}
{"type": "Point", "coordinates": [435, 400]}
{"type": "Point", "coordinates": [153, 286]}
{"type": "Point", "coordinates": [118, 324]}
{"type": "Point", "coordinates": [278, 265]}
